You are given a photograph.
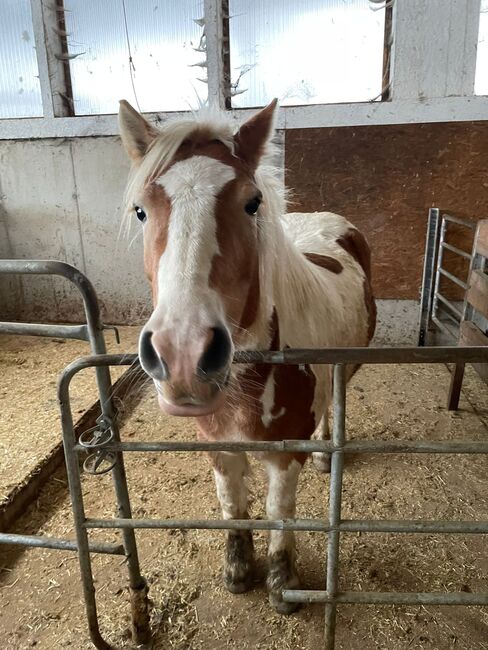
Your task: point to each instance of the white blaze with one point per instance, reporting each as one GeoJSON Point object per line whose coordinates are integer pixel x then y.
{"type": "Point", "coordinates": [183, 278]}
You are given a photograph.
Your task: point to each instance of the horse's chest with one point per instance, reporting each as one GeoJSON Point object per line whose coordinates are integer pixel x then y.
{"type": "Point", "coordinates": [268, 403]}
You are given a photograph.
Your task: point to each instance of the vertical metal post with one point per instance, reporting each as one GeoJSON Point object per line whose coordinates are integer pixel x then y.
{"type": "Point", "coordinates": [335, 498]}
{"type": "Point", "coordinates": [440, 254]}
{"type": "Point", "coordinates": [74, 482]}
{"type": "Point", "coordinates": [138, 589]}
{"type": "Point", "coordinates": [431, 252]}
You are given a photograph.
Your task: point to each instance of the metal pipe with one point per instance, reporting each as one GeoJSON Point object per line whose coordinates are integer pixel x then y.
{"type": "Point", "coordinates": [430, 256]}
{"type": "Point", "coordinates": [414, 526]}
{"type": "Point", "coordinates": [79, 332]}
{"type": "Point", "coordinates": [77, 505]}
{"type": "Point", "coordinates": [459, 221]}
{"type": "Point", "coordinates": [308, 446]}
{"type": "Point", "coordinates": [310, 525]}
{"type": "Point", "coordinates": [385, 598]}
{"type": "Point", "coordinates": [441, 354]}
{"type": "Point", "coordinates": [453, 278]}
{"type": "Point", "coordinates": [455, 249]}
{"type": "Point", "coordinates": [445, 328]}
{"type": "Point", "coordinates": [449, 304]}
{"type": "Point", "coordinates": [335, 500]}
{"type": "Point", "coordinates": [449, 316]}
{"type": "Point", "coordinates": [440, 254]}
{"type": "Point", "coordinates": [40, 541]}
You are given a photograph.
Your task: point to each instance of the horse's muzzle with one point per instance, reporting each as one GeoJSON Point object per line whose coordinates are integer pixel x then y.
{"type": "Point", "coordinates": [189, 406]}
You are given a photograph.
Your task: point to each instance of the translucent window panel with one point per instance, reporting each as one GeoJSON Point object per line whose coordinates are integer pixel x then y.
{"type": "Point", "coordinates": [307, 52]}
{"type": "Point", "coordinates": [161, 34]}
{"type": "Point", "coordinates": [481, 78]}
{"type": "Point", "coordinates": [20, 91]}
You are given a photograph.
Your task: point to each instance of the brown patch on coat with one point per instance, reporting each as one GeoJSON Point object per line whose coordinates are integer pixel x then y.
{"type": "Point", "coordinates": [235, 271]}
{"type": "Point", "coordinates": [158, 207]}
{"type": "Point", "coordinates": [325, 261]}
{"type": "Point", "coordinates": [370, 308]}
{"type": "Point", "coordinates": [202, 142]}
{"type": "Point", "coordinates": [354, 242]}
{"type": "Point", "coordinates": [294, 392]}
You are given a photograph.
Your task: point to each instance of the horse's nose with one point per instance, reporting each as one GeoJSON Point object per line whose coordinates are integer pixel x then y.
{"type": "Point", "coordinates": [216, 355]}
{"type": "Point", "coordinates": [150, 358]}
{"type": "Point", "coordinates": [166, 355]}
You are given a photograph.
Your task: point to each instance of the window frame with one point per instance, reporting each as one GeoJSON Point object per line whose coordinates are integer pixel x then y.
{"type": "Point", "coordinates": [439, 88]}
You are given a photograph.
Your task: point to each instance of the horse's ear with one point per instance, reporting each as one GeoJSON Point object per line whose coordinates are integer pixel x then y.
{"type": "Point", "coordinates": [251, 139]}
{"type": "Point", "coordinates": [136, 133]}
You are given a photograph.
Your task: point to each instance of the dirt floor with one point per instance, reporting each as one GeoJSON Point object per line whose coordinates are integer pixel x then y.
{"type": "Point", "coordinates": [40, 601]}
{"type": "Point", "coordinates": [29, 367]}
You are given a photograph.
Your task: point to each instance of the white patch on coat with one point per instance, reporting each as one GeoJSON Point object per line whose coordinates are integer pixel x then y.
{"type": "Point", "coordinates": [267, 401]}
{"type": "Point", "coordinates": [184, 268]}
{"type": "Point", "coordinates": [281, 501]}
{"type": "Point", "coordinates": [231, 485]}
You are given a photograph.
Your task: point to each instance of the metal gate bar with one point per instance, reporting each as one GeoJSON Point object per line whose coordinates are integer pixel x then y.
{"type": "Point", "coordinates": [41, 541]}
{"type": "Point", "coordinates": [337, 447]}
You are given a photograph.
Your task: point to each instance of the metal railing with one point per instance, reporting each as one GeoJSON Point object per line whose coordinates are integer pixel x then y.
{"type": "Point", "coordinates": [108, 443]}
{"type": "Point", "coordinates": [432, 300]}
{"type": "Point", "coordinates": [92, 332]}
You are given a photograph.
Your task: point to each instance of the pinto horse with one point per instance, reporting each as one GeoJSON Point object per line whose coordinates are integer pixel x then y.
{"type": "Point", "coordinates": [229, 270]}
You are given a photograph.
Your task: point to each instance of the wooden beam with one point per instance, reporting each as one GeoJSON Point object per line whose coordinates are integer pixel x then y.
{"type": "Point", "coordinates": [434, 48]}
{"type": "Point", "coordinates": [477, 294]}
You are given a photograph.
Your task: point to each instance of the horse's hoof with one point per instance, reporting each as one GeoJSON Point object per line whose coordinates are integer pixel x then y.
{"type": "Point", "coordinates": [277, 603]}
{"type": "Point", "coordinates": [321, 461]}
{"type": "Point", "coordinates": [236, 587]}
{"type": "Point", "coordinates": [239, 561]}
{"type": "Point", "coordinates": [282, 575]}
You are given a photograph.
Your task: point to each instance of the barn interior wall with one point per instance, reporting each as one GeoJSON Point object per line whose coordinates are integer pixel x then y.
{"type": "Point", "coordinates": [385, 179]}
{"type": "Point", "coordinates": [61, 199]}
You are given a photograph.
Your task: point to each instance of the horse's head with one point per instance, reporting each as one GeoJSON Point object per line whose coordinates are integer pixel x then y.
{"type": "Point", "coordinates": [193, 187]}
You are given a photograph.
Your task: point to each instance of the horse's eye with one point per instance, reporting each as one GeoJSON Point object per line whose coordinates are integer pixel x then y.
{"type": "Point", "coordinates": [252, 206]}
{"type": "Point", "coordinates": [140, 214]}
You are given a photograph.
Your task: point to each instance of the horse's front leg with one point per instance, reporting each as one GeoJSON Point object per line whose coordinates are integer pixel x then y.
{"type": "Point", "coordinates": [231, 472]}
{"type": "Point", "coordinates": [283, 471]}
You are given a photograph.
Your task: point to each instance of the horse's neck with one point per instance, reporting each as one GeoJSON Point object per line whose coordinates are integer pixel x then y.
{"type": "Point", "coordinates": [284, 286]}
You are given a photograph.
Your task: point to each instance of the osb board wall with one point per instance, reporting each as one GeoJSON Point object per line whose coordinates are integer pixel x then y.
{"type": "Point", "coordinates": [384, 179]}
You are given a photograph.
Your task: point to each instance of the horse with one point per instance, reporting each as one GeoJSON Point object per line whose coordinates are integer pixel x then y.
{"type": "Point", "coordinates": [230, 270]}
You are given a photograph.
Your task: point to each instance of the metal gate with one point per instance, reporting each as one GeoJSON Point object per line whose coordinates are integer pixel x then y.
{"type": "Point", "coordinates": [105, 446]}
{"type": "Point", "coordinates": [435, 307]}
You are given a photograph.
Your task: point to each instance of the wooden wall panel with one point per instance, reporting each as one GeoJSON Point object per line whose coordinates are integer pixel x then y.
{"type": "Point", "coordinates": [384, 179]}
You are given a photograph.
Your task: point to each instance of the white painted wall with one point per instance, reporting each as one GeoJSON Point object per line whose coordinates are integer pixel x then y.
{"type": "Point", "coordinates": [60, 199]}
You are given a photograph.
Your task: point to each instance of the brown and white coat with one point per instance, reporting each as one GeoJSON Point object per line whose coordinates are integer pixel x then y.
{"type": "Point", "coordinates": [230, 270]}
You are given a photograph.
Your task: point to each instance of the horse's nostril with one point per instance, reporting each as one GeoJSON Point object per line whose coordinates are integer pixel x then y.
{"type": "Point", "coordinates": [152, 363]}
{"type": "Point", "coordinates": [216, 356]}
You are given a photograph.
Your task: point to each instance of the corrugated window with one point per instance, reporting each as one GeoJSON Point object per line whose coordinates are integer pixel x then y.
{"type": "Point", "coordinates": [20, 91]}
{"type": "Point", "coordinates": [145, 51]}
{"type": "Point", "coordinates": [307, 52]}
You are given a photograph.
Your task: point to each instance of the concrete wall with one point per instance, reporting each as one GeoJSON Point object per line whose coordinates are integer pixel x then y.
{"type": "Point", "coordinates": [60, 199]}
